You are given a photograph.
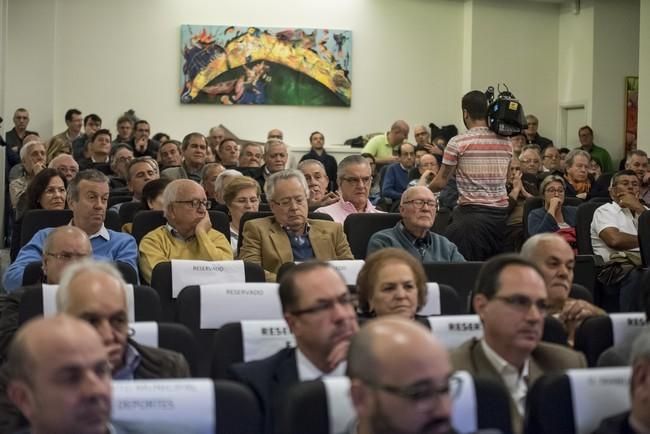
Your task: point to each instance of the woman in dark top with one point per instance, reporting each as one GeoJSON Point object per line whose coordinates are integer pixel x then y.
{"type": "Point", "coordinates": [555, 216]}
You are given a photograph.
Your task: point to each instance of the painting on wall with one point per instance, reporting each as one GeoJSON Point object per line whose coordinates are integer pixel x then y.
{"type": "Point", "coordinates": [229, 65]}
{"type": "Point", "coordinates": [631, 112]}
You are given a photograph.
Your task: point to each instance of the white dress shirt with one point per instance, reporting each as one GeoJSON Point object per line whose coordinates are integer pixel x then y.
{"type": "Point", "coordinates": [516, 382]}
{"type": "Point", "coordinates": [307, 371]}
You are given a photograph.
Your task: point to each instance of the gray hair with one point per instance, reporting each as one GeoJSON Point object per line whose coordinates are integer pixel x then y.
{"type": "Point", "coordinates": [249, 144]}
{"type": "Point", "coordinates": [83, 266]}
{"type": "Point", "coordinates": [71, 231]}
{"type": "Point", "coordinates": [350, 160]}
{"type": "Point", "coordinates": [635, 152]}
{"type": "Point", "coordinates": [551, 178]}
{"type": "Point", "coordinates": [530, 247]}
{"type": "Point", "coordinates": [170, 193]}
{"type": "Point", "coordinates": [56, 159]}
{"type": "Point", "coordinates": [568, 160]}
{"type": "Point", "coordinates": [272, 181]}
{"type": "Point", "coordinates": [25, 149]}
{"type": "Point", "coordinates": [221, 179]}
{"type": "Point", "coordinates": [304, 163]}
{"type": "Point", "coordinates": [274, 142]}
{"type": "Point", "coordinates": [641, 346]}
{"type": "Point", "coordinates": [531, 147]}
{"type": "Point", "coordinates": [91, 175]}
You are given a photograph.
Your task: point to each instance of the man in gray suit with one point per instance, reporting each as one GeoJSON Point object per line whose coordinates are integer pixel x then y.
{"type": "Point", "coordinates": [511, 300]}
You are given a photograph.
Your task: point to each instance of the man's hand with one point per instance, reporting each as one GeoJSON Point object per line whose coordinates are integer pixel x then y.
{"type": "Point", "coordinates": [141, 144]}
{"type": "Point", "coordinates": [37, 167]}
{"type": "Point", "coordinates": [205, 224]}
{"type": "Point", "coordinates": [338, 354]}
{"type": "Point", "coordinates": [578, 310]}
{"type": "Point", "coordinates": [329, 198]}
{"type": "Point", "coordinates": [630, 201]}
{"type": "Point", "coordinates": [426, 178]}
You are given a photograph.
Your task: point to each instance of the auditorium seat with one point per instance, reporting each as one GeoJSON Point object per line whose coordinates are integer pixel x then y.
{"type": "Point", "coordinates": [36, 219]}
{"type": "Point", "coordinates": [169, 336]}
{"type": "Point", "coordinates": [584, 217]}
{"type": "Point", "coordinates": [129, 210]}
{"type": "Point", "coordinates": [361, 226]}
{"type": "Point", "coordinates": [535, 202]}
{"type": "Point", "coordinates": [596, 334]}
{"type": "Point", "coordinates": [146, 221]}
{"type": "Point", "coordinates": [441, 300]}
{"type": "Point", "coordinates": [459, 275]}
{"type": "Point", "coordinates": [33, 273]}
{"type": "Point", "coordinates": [644, 237]}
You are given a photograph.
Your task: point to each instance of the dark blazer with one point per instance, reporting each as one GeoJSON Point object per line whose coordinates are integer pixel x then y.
{"type": "Point", "coordinates": [545, 358]}
{"type": "Point", "coordinates": [269, 379]}
{"type": "Point", "coordinates": [617, 424]}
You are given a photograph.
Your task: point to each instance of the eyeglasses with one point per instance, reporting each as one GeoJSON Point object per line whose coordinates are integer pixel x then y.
{"type": "Point", "coordinates": [286, 202]}
{"type": "Point", "coordinates": [522, 303]}
{"type": "Point", "coordinates": [345, 300]}
{"type": "Point", "coordinates": [67, 256]}
{"type": "Point", "coordinates": [419, 203]}
{"type": "Point", "coordinates": [552, 157]}
{"type": "Point", "coordinates": [196, 203]}
{"type": "Point", "coordinates": [555, 190]}
{"type": "Point", "coordinates": [422, 390]}
{"type": "Point", "coordinates": [357, 180]}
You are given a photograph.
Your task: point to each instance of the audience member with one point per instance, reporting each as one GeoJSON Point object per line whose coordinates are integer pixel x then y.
{"type": "Point", "coordinates": [276, 156]}
{"type": "Point", "coordinates": [375, 187]}
{"type": "Point", "coordinates": [92, 124]}
{"type": "Point", "coordinates": [532, 135]}
{"type": "Point", "coordinates": [121, 156]}
{"type": "Point", "coordinates": [275, 134]}
{"type": "Point", "coordinates": [194, 148]}
{"type": "Point", "coordinates": [55, 147]}
{"type": "Point", "coordinates": [594, 169]}
{"type": "Point", "coordinates": [382, 146]}
{"type": "Point", "coordinates": [400, 379]}
{"type": "Point", "coordinates": [211, 172]}
{"type": "Point", "coordinates": [531, 162]}
{"type": "Point", "coordinates": [289, 235]}
{"type": "Point", "coordinates": [563, 153]}
{"type": "Point", "coordinates": [554, 216]}
{"type": "Point", "coordinates": [18, 170]}
{"type": "Point", "coordinates": [215, 137]}
{"type": "Point", "coordinates": [425, 171]}
{"type": "Point", "coordinates": [518, 141]}
{"type": "Point", "coordinates": [228, 152]}
{"type": "Point", "coordinates": [15, 136]}
{"type": "Point", "coordinates": [32, 157]}
{"type": "Point", "coordinates": [586, 136]}
{"type": "Point", "coordinates": [423, 139]}
{"type": "Point", "coordinates": [551, 162]}
{"type": "Point", "coordinates": [87, 198]}
{"type": "Point", "coordinates": [556, 260]}
{"type": "Point", "coordinates": [63, 247]}
{"type": "Point", "coordinates": [161, 138]}
{"type": "Point", "coordinates": [220, 183]}
{"type": "Point", "coordinates": [65, 165]}
{"type": "Point", "coordinates": [169, 154]}
{"type": "Point", "coordinates": [391, 282]}
{"type": "Point", "coordinates": [318, 183]}
{"type": "Point", "coordinates": [251, 155]}
{"type": "Point", "coordinates": [319, 311]}
{"type": "Point", "coordinates": [211, 155]}
{"type": "Point", "coordinates": [480, 160]}
{"type": "Point", "coordinates": [396, 177]}
{"type": "Point", "coordinates": [413, 232]}
{"type": "Point", "coordinates": [141, 170]}
{"type": "Point", "coordinates": [354, 178]}
{"type": "Point", "coordinates": [124, 130]}
{"type": "Point", "coordinates": [637, 161]}
{"type": "Point", "coordinates": [577, 179]}
{"type": "Point", "coordinates": [98, 150]}
{"type": "Point", "coordinates": [73, 121]}
{"type": "Point", "coordinates": [520, 186]}
{"type": "Point", "coordinates": [151, 200]}
{"type": "Point", "coordinates": [141, 143]}
{"type": "Point", "coordinates": [318, 153]}
{"type": "Point", "coordinates": [511, 301]}
{"type": "Point", "coordinates": [241, 195]}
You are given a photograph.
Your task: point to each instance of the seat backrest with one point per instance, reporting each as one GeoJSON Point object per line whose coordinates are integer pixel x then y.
{"type": "Point", "coordinates": [584, 216]}
{"type": "Point", "coordinates": [191, 405]}
{"type": "Point", "coordinates": [360, 227]}
{"type": "Point", "coordinates": [577, 401]}
{"type": "Point", "coordinates": [349, 269]}
{"type": "Point", "coordinates": [113, 220]}
{"type": "Point", "coordinates": [644, 237]}
{"type": "Point", "coordinates": [36, 219]}
{"type": "Point", "coordinates": [146, 221]}
{"type": "Point", "coordinates": [33, 273]}
{"type": "Point", "coordinates": [170, 336]}
{"type": "Point", "coordinates": [128, 211]}
{"type": "Point", "coordinates": [441, 300]}
{"type": "Point", "coordinates": [596, 334]}
{"type": "Point", "coordinates": [584, 272]}
{"type": "Point", "coordinates": [535, 202]}
{"type": "Point", "coordinates": [459, 275]}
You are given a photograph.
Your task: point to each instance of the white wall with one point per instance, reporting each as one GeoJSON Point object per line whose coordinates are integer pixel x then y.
{"type": "Point", "coordinates": [643, 137]}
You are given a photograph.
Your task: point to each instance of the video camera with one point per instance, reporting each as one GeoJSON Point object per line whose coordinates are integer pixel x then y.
{"type": "Point", "coordinates": [505, 113]}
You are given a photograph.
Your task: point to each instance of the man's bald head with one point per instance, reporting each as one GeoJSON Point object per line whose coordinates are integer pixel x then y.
{"type": "Point", "coordinates": [399, 131]}
{"type": "Point", "coordinates": [63, 246]}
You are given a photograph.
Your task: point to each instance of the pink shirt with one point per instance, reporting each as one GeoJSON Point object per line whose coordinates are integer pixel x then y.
{"type": "Point", "coordinates": [341, 209]}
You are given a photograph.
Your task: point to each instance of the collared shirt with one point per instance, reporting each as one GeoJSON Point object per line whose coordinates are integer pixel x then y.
{"type": "Point", "coordinates": [106, 160]}
{"type": "Point", "coordinates": [516, 382]}
{"type": "Point", "coordinates": [422, 245]}
{"type": "Point", "coordinates": [300, 244]}
{"type": "Point", "coordinates": [612, 215]}
{"type": "Point", "coordinates": [131, 362]}
{"type": "Point", "coordinates": [307, 371]}
{"type": "Point", "coordinates": [102, 232]}
{"type": "Point", "coordinates": [177, 234]}
{"type": "Point", "coordinates": [341, 209]}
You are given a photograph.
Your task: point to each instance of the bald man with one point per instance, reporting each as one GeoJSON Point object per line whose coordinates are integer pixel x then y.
{"type": "Point", "coordinates": [60, 377]}
{"type": "Point", "coordinates": [63, 246]}
{"type": "Point", "coordinates": [383, 146]}
{"type": "Point", "coordinates": [396, 366]}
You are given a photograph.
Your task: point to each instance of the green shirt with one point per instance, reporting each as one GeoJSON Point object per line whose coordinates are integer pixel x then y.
{"type": "Point", "coordinates": [379, 147]}
{"type": "Point", "coordinates": [602, 156]}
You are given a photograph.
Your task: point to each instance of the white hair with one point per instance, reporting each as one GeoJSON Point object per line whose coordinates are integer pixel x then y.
{"type": "Point", "coordinates": [170, 193]}
{"type": "Point", "coordinates": [221, 179]}
{"type": "Point", "coordinates": [24, 150]}
{"type": "Point", "coordinates": [56, 159]}
{"type": "Point", "coordinates": [83, 266]}
{"type": "Point", "coordinates": [272, 181]}
{"type": "Point", "coordinates": [530, 247]}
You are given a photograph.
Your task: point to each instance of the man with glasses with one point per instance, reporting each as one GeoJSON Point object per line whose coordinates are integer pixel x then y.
{"type": "Point", "coordinates": [413, 233]}
{"type": "Point", "coordinates": [396, 177]}
{"type": "Point", "coordinates": [511, 300]}
{"type": "Point", "coordinates": [65, 165]}
{"type": "Point", "coordinates": [63, 246]}
{"type": "Point", "coordinates": [320, 312]}
{"type": "Point", "coordinates": [400, 379]}
{"type": "Point", "coordinates": [532, 134]}
{"type": "Point", "coordinates": [354, 178]}
{"type": "Point", "coordinates": [289, 235]}
{"type": "Point", "coordinates": [188, 233]}
{"type": "Point", "coordinates": [121, 156]}
{"type": "Point", "coordinates": [551, 161]}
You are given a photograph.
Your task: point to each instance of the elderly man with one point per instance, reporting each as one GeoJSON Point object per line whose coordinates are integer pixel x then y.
{"type": "Point", "coordinates": [318, 153]}
{"type": "Point", "coordinates": [251, 155]}
{"type": "Point", "coordinates": [388, 357]}
{"type": "Point", "coordinates": [637, 160]}
{"type": "Point", "coordinates": [99, 152]}
{"type": "Point", "coordinates": [275, 134]}
{"type": "Point", "coordinates": [413, 233]}
{"type": "Point", "coordinates": [614, 235]}
{"type": "Point", "coordinates": [140, 171]}
{"type": "Point", "coordinates": [65, 165]}
{"type": "Point", "coordinates": [59, 377]}
{"type": "Point", "coordinates": [87, 198]}
{"type": "Point", "coordinates": [382, 146]}
{"type": "Point", "coordinates": [532, 135]}
{"type": "Point", "coordinates": [169, 154]}
{"type": "Point", "coordinates": [92, 124]}
{"type": "Point", "coordinates": [32, 156]}
{"type": "Point", "coordinates": [423, 138]}
{"type": "Point", "coordinates": [320, 313]}
{"type": "Point", "coordinates": [276, 156]}
{"type": "Point", "coordinates": [425, 170]}
{"type": "Point", "coordinates": [586, 136]}
{"type": "Point", "coordinates": [121, 156]}
{"type": "Point", "coordinates": [396, 178]}
{"type": "Point", "coordinates": [194, 149]}
{"type": "Point", "coordinates": [228, 151]}
{"type": "Point", "coordinates": [511, 301]}
{"type": "Point", "coordinates": [74, 122]}
{"type": "Point", "coordinates": [215, 137]}
{"type": "Point", "coordinates": [556, 260]}
{"type": "Point", "coordinates": [211, 172]}
{"type": "Point", "coordinates": [531, 161]}
{"type": "Point", "coordinates": [63, 246]}
{"type": "Point", "coordinates": [16, 136]}
{"type": "Point", "coordinates": [354, 178]}
{"type": "Point", "coordinates": [318, 183]}
{"type": "Point", "coordinates": [188, 233]}
{"type": "Point", "coordinates": [551, 161]}
{"type": "Point", "coordinates": [289, 235]}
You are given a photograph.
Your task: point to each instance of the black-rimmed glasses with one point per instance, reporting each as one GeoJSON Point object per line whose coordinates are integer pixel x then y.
{"type": "Point", "coordinates": [344, 300]}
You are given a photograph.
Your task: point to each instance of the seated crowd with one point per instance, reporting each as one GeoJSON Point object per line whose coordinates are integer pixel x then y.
{"type": "Point", "coordinates": [512, 204]}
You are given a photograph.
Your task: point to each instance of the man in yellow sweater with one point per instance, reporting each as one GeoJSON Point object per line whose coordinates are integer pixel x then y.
{"type": "Point", "coordinates": [188, 233]}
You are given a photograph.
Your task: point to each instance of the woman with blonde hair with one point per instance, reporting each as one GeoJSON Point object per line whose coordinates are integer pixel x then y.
{"type": "Point", "coordinates": [241, 195]}
{"type": "Point", "coordinates": [55, 146]}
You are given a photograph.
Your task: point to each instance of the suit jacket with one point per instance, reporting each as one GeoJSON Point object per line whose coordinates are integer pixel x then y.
{"type": "Point", "coordinates": [545, 358]}
{"type": "Point", "coordinates": [267, 244]}
{"type": "Point", "coordinates": [269, 379]}
{"type": "Point", "coordinates": [617, 424]}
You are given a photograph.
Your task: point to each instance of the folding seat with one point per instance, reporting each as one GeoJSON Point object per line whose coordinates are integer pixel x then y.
{"type": "Point", "coordinates": [459, 275]}
{"type": "Point", "coordinates": [36, 219]}
{"type": "Point", "coordinates": [361, 226]}
{"type": "Point", "coordinates": [33, 273]}
{"type": "Point", "coordinates": [129, 210]}
{"type": "Point", "coordinates": [170, 336]}
{"type": "Point", "coordinates": [584, 217]}
{"type": "Point", "coordinates": [596, 334]}
{"type": "Point", "coordinates": [441, 300]}
{"type": "Point", "coordinates": [146, 221]}
{"type": "Point", "coordinates": [535, 202]}
{"type": "Point", "coordinates": [644, 237]}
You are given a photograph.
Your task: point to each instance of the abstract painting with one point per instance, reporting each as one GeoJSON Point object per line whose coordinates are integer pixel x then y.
{"type": "Point", "coordinates": [229, 65]}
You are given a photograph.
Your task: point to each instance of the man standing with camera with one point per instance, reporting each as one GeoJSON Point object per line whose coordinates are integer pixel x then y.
{"type": "Point", "coordinates": [480, 159]}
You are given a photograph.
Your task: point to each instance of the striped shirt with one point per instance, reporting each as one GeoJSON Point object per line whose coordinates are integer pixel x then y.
{"type": "Point", "coordinates": [481, 158]}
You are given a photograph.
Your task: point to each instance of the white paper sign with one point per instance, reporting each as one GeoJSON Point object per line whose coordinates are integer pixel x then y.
{"type": "Point", "coordinates": [433, 300]}
{"type": "Point", "coordinates": [164, 407]}
{"type": "Point", "coordinates": [598, 393]}
{"type": "Point", "coordinates": [339, 404]}
{"type": "Point", "coordinates": [453, 330]}
{"type": "Point", "coordinates": [625, 326]}
{"type": "Point", "coordinates": [49, 301]}
{"type": "Point", "coordinates": [264, 338]}
{"type": "Point", "coordinates": [463, 416]}
{"type": "Point", "coordinates": [144, 333]}
{"type": "Point", "coordinates": [349, 269]}
{"type": "Point", "coordinates": [186, 273]}
{"type": "Point", "coordinates": [231, 302]}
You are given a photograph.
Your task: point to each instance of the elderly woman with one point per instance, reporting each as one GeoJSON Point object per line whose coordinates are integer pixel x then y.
{"type": "Point", "coordinates": [221, 182]}
{"type": "Point", "coordinates": [555, 216]}
{"type": "Point", "coordinates": [391, 282]}
{"type": "Point", "coordinates": [242, 194]}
